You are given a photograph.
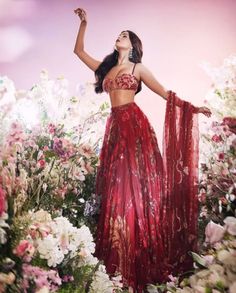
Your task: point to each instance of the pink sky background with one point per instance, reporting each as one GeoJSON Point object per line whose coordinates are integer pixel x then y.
{"type": "Point", "coordinates": [177, 36]}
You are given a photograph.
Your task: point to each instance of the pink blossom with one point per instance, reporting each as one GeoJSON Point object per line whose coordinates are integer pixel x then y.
{"type": "Point", "coordinates": [221, 156]}
{"type": "Point", "coordinates": [2, 201]}
{"type": "Point", "coordinates": [86, 151]}
{"type": "Point", "coordinates": [39, 230]}
{"type": "Point", "coordinates": [209, 259]}
{"type": "Point", "coordinates": [216, 138]}
{"type": "Point", "coordinates": [42, 278]}
{"type": "Point", "coordinates": [67, 278]}
{"type": "Point", "coordinates": [214, 232]}
{"type": "Point", "coordinates": [25, 249]}
{"type": "Point", "coordinates": [224, 172]}
{"type": "Point", "coordinates": [41, 163]}
{"type": "Point", "coordinates": [45, 148]}
{"type": "Point", "coordinates": [202, 197]}
{"type": "Point", "coordinates": [16, 134]}
{"type": "Point", "coordinates": [51, 128]}
{"type": "Point", "coordinates": [30, 143]}
{"type": "Point", "coordinates": [61, 192]}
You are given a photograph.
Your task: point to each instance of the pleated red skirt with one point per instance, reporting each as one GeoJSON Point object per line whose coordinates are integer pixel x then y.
{"type": "Point", "coordinates": [130, 183]}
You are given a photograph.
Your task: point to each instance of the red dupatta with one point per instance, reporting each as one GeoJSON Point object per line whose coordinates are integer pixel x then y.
{"type": "Point", "coordinates": [179, 208]}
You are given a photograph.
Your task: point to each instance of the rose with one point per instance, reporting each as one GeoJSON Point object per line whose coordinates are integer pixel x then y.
{"type": "Point", "coordinates": [221, 156]}
{"type": "Point", "coordinates": [41, 163]}
{"type": "Point", "coordinates": [216, 138]}
{"type": "Point", "coordinates": [24, 249]}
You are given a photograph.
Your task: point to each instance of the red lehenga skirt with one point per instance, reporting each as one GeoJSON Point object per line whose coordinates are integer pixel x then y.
{"type": "Point", "coordinates": [130, 180]}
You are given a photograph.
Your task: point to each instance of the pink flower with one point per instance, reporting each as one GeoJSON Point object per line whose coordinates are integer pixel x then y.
{"type": "Point", "coordinates": [25, 249]}
{"type": "Point", "coordinates": [41, 163]}
{"type": "Point", "coordinates": [2, 201]}
{"type": "Point", "coordinates": [216, 138]}
{"type": "Point", "coordinates": [214, 232]}
{"type": "Point", "coordinates": [67, 278]}
{"type": "Point", "coordinates": [16, 134]}
{"type": "Point", "coordinates": [41, 278]}
{"type": "Point", "coordinates": [209, 259]}
{"type": "Point", "coordinates": [224, 172]}
{"type": "Point", "coordinates": [39, 230]}
{"type": "Point", "coordinates": [61, 192]}
{"type": "Point", "coordinates": [202, 197]}
{"type": "Point", "coordinates": [221, 156]}
{"type": "Point", "coordinates": [51, 128]}
{"type": "Point", "coordinates": [45, 148]}
{"type": "Point", "coordinates": [86, 150]}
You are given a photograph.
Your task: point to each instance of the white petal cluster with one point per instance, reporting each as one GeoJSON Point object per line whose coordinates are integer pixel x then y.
{"type": "Point", "coordinates": [102, 284]}
{"type": "Point", "coordinates": [3, 224]}
{"type": "Point", "coordinates": [65, 239]}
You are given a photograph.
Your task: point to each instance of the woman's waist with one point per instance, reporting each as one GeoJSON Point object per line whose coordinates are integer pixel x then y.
{"type": "Point", "coordinates": [119, 99]}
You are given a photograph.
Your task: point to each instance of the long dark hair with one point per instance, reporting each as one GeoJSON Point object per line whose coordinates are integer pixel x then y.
{"type": "Point", "coordinates": [111, 60]}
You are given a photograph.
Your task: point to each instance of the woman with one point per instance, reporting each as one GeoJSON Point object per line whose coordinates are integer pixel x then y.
{"type": "Point", "coordinates": [148, 202]}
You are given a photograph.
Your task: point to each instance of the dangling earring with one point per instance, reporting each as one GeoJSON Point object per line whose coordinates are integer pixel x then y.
{"type": "Point", "coordinates": [131, 53]}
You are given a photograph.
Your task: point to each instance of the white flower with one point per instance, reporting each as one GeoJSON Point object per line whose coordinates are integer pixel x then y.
{"type": "Point", "coordinates": [3, 224]}
{"type": "Point", "coordinates": [66, 239]}
{"type": "Point", "coordinates": [230, 223]}
{"type": "Point", "coordinates": [41, 216]}
{"type": "Point", "coordinates": [101, 282]}
{"type": "Point", "coordinates": [49, 249]}
{"type": "Point", "coordinates": [152, 289]}
{"type": "Point", "coordinates": [214, 232]}
{"type": "Point", "coordinates": [226, 257]}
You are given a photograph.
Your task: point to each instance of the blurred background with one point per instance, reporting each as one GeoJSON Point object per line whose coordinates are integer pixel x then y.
{"type": "Point", "coordinates": [177, 37]}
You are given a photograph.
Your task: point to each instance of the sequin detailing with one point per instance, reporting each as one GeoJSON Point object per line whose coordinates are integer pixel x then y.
{"type": "Point", "coordinates": [125, 81]}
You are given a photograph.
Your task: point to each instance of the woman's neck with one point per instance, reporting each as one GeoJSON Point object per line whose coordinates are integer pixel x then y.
{"type": "Point", "coordinates": [123, 57]}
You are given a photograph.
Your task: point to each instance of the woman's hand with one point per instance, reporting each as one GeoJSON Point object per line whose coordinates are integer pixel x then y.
{"type": "Point", "coordinates": [82, 14]}
{"type": "Point", "coordinates": [204, 110]}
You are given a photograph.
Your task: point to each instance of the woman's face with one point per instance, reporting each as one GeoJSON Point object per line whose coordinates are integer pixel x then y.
{"type": "Point", "coordinates": [123, 41]}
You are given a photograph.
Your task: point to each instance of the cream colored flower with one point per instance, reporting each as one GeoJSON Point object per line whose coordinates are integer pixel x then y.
{"type": "Point", "coordinates": [7, 278]}
{"type": "Point", "coordinates": [232, 288]}
{"type": "Point", "coordinates": [230, 223]}
{"type": "Point", "coordinates": [41, 216]}
{"type": "Point", "coordinates": [43, 290]}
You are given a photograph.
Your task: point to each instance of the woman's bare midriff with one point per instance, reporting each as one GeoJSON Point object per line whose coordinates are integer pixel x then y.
{"type": "Point", "coordinates": [121, 97]}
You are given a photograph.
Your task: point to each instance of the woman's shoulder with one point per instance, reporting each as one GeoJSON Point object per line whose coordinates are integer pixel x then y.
{"type": "Point", "coordinates": [140, 67]}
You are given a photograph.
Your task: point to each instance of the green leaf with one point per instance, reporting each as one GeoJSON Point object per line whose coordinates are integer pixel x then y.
{"type": "Point", "coordinates": [198, 259]}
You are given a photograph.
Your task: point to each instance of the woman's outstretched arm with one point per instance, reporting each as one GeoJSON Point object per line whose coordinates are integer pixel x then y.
{"type": "Point", "coordinates": [79, 45]}
{"type": "Point", "coordinates": [151, 82]}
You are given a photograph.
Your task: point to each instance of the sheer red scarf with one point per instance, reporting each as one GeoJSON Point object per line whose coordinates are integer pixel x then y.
{"type": "Point", "coordinates": [179, 208]}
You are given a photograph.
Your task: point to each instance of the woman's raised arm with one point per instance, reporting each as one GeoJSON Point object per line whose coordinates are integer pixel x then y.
{"type": "Point", "coordinates": [79, 45]}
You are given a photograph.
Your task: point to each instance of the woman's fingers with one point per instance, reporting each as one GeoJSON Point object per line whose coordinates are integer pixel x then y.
{"type": "Point", "coordinates": [81, 13]}
{"type": "Point", "coordinates": [204, 110]}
